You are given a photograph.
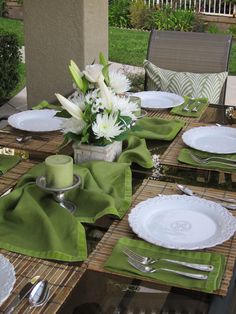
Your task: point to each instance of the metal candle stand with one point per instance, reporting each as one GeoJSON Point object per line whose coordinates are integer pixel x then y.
{"type": "Point", "coordinates": [59, 194]}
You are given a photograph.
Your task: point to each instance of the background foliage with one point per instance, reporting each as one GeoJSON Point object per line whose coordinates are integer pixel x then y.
{"type": "Point", "coordinates": [9, 64]}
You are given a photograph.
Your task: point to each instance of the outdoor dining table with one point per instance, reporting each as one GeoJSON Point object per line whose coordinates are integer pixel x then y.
{"type": "Point", "coordinates": [87, 287]}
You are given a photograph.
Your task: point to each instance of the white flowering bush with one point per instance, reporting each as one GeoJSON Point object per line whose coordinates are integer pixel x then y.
{"type": "Point", "coordinates": [97, 112]}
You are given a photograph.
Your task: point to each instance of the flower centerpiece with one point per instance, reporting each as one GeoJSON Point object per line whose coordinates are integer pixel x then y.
{"type": "Point", "coordinates": [99, 115]}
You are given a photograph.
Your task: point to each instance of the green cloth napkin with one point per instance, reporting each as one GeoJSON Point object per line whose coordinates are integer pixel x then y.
{"type": "Point", "coordinates": [32, 223]}
{"type": "Point", "coordinates": [157, 129]}
{"type": "Point", "coordinates": [184, 157]}
{"type": "Point", "coordinates": [136, 152]}
{"type": "Point", "coordinates": [117, 262]}
{"type": "Point", "coordinates": [200, 103]}
{"type": "Point", "coordinates": [7, 162]}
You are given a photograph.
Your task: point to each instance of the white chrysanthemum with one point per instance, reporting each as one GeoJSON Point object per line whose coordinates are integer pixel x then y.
{"type": "Point", "coordinates": [92, 96]}
{"type": "Point", "coordinates": [78, 99]}
{"type": "Point", "coordinates": [119, 82]}
{"type": "Point", "coordinates": [73, 125]}
{"type": "Point", "coordinates": [106, 126]}
{"type": "Point", "coordinates": [126, 107]}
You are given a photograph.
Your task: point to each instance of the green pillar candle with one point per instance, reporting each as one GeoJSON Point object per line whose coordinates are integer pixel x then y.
{"type": "Point", "coordinates": [59, 171]}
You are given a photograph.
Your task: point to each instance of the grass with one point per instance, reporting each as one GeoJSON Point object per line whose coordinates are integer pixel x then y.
{"type": "Point", "coordinates": [127, 46]}
{"type": "Point", "coordinates": [13, 26]}
{"type": "Point", "coordinates": [130, 47]}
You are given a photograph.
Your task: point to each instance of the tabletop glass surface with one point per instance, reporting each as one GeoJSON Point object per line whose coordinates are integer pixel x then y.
{"type": "Point", "coordinates": [102, 293]}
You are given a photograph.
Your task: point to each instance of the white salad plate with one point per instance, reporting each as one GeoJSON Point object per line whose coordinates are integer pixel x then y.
{"type": "Point", "coordinates": [36, 120]}
{"type": "Point", "coordinates": [182, 222]}
{"type": "Point", "coordinates": [7, 278]}
{"type": "Point", "coordinates": [159, 100]}
{"type": "Point", "coordinates": [212, 139]}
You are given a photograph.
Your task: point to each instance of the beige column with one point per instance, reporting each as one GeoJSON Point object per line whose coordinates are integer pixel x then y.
{"type": "Point", "coordinates": [57, 31]}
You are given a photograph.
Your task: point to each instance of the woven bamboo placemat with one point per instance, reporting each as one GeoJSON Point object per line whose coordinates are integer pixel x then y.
{"type": "Point", "coordinates": [62, 279]}
{"type": "Point", "coordinates": [39, 147]}
{"type": "Point", "coordinates": [9, 179]}
{"type": "Point", "coordinates": [119, 229]}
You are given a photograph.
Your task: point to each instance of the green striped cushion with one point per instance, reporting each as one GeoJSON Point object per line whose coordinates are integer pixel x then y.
{"type": "Point", "coordinates": [195, 85]}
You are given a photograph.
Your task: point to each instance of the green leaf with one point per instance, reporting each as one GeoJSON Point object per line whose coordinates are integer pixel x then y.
{"type": "Point", "coordinates": [102, 59]}
{"type": "Point", "coordinates": [63, 114]}
{"type": "Point", "coordinates": [122, 136]}
{"type": "Point", "coordinates": [125, 119]}
{"type": "Point", "coordinates": [105, 72]}
{"type": "Point", "coordinates": [44, 104]}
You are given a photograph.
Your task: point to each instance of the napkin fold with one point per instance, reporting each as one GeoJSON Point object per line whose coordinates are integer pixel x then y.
{"type": "Point", "coordinates": [157, 129]}
{"type": "Point", "coordinates": [117, 262]}
{"type": "Point", "coordinates": [185, 157]}
{"type": "Point", "coordinates": [200, 103]}
{"type": "Point", "coordinates": [32, 223]}
{"type": "Point", "coordinates": [7, 162]}
{"type": "Point", "coordinates": [137, 152]}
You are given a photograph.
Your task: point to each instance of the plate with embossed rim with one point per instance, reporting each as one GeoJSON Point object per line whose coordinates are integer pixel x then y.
{"type": "Point", "coordinates": [159, 100]}
{"type": "Point", "coordinates": [36, 120]}
{"type": "Point", "coordinates": [182, 222]}
{"type": "Point", "coordinates": [7, 278]}
{"type": "Point", "coordinates": [211, 139]}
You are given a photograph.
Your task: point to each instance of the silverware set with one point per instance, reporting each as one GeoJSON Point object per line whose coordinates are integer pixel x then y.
{"type": "Point", "coordinates": [143, 264]}
{"type": "Point", "coordinates": [229, 203]}
{"type": "Point", "coordinates": [25, 138]}
{"type": "Point", "coordinates": [37, 292]}
{"type": "Point", "coordinates": [218, 159]}
{"type": "Point", "coordinates": [190, 103]}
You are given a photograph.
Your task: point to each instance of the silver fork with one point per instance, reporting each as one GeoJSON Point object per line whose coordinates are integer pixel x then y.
{"type": "Point", "coordinates": [222, 160]}
{"type": "Point", "coordinates": [148, 269]}
{"type": "Point", "coordinates": [145, 260]}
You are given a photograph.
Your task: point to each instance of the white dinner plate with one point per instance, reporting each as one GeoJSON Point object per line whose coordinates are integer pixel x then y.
{"type": "Point", "coordinates": [212, 139]}
{"type": "Point", "coordinates": [36, 120]}
{"type": "Point", "coordinates": [182, 222]}
{"type": "Point", "coordinates": [159, 100]}
{"type": "Point", "coordinates": [7, 278]}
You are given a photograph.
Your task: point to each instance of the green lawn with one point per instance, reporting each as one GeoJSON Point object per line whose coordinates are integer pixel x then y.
{"type": "Point", "coordinates": [13, 26]}
{"type": "Point", "coordinates": [127, 46]}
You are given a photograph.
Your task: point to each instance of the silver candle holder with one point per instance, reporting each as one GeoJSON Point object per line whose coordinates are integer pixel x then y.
{"type": "Point", "coordinates": [59, 194]}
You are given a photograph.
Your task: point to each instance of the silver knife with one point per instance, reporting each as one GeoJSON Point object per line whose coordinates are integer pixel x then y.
{"type": "Point", "coordinates": [25, 291]}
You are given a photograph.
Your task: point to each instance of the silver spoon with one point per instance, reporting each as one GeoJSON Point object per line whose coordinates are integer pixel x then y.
{"type": "Point", "coordinates": [189, 192]}
{"type": "Point", "coordinates": [40, 294]}
{"type": "Point", "coordinates": [23, 138]}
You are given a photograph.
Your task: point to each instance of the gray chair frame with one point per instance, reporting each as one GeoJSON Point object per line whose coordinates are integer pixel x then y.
{"type": "Point", "coordinates": [190, 52]}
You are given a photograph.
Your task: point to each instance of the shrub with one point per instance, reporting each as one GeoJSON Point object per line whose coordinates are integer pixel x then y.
{"type": "Point", "coordinates": [177, 20]}
{"type": "Point", "coordinates": [119, 13]}
{"type": "Point", "coordinates": [140, 15]}
{"type": "Point", "coordinates": [9, 64]}
{"type": "Point", "coordinates": [213, 29]}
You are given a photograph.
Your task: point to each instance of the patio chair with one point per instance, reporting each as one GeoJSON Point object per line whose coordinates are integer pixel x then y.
{"type": "Point", "coordinates": [189, 52]}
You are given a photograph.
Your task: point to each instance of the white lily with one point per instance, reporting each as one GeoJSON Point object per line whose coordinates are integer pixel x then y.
{"type": "Point", "coordinates": [72, 125]}
{"type": "Point", "coordinates": [69, 106]}
{"type": "Point", "coordinates": [76, 75]}
{"type": "Point", "coordinates": [105, 92]}
{"type": "Point", "coordinates": [93, 72]}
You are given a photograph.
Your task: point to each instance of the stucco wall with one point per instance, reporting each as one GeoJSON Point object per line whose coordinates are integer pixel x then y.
{"type": "Point", "coordinates": [57, 31]}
